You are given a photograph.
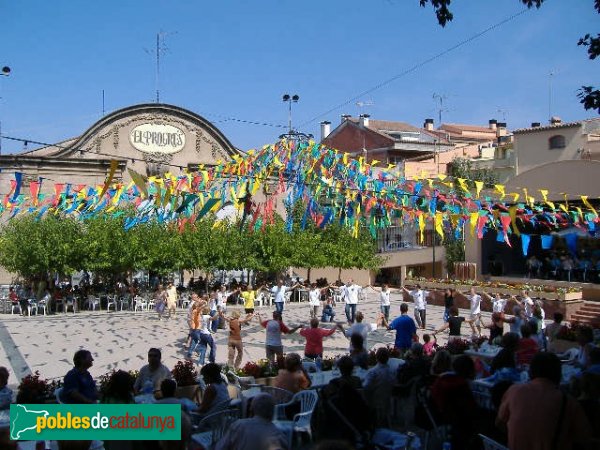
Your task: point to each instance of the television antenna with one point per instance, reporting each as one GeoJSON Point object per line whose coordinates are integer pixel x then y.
{"type": "Point", "coordinates": [503, 112]}
{"type": "Point", "coordinates": [159, 48]}
{"type": "Point", "coordinates": [363, 104]}
{"type": "Point", "coordinates": [440, 98]}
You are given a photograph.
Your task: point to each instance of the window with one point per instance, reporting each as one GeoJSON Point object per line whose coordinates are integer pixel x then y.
{"type": "Point", "coordinates": [557, 141]}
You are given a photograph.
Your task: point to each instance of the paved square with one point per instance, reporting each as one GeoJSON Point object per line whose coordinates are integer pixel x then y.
{"type": "Point", "coordinates": [121, 339]}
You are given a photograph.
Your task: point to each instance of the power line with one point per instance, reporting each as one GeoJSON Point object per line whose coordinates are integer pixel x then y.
{"type": "Point", "coordinates": [417, 66]}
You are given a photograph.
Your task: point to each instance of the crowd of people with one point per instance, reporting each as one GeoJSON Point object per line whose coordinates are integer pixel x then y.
{"type": "Point", "coordinates": [429, 378]}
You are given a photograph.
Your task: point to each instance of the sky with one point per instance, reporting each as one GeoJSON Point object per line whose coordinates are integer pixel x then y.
{"type": "Point", "coordinates": [231, 61]}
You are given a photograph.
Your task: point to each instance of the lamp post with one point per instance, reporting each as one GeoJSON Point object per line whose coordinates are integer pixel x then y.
{"type": "Point", "coordinates": [292, 134]}
{"type": "Point", "coordinates": [5, 71]}
{"type": "Point", "coordinates": [289, 99]}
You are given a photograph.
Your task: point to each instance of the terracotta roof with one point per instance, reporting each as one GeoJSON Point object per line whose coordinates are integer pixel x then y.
{"type": "Point", "coordinates": [548, 127]}
{"type": "Point", "coordinates": [457, 127]}
{"type": "Point", "coordinates": [384, 126]}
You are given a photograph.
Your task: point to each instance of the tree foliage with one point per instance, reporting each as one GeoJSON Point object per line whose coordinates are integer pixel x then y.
{"type": "Point", "coordinates": [588, 95]}
{"type": "Point", "coordinates": [32, 247]}
{"type": "Point", "coordinates": [463, 168]}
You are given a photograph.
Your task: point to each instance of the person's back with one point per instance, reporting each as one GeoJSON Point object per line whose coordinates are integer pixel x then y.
{"type": "Point", "coordinates": [532, 411]}
{"type": "Point", "coordinates": [378, 386]}
{"type": "Point", "coordinates": [254, 433]}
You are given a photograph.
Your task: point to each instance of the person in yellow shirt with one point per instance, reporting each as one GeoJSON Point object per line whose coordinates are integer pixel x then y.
{"type": "Point", "coordinates": [249, 297]}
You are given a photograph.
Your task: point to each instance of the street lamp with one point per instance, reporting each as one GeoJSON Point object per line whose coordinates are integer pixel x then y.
{"type": "Point", "coordinates": [292, 134]}
{"type": "Point", "coordinates": [290, 99]}
{"type": "Point", "coordinates": [5, 71]}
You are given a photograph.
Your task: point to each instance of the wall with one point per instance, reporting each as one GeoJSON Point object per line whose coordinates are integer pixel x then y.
{"type": "Point", "coordinates": [531, 147]}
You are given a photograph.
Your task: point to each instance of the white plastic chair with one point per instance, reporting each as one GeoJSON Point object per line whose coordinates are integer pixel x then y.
{"type": "Point", "coordinates": [301, 421]}
{"type": "Point", "coordinates": [111, 300]}
{"type": "Point", "coordinates": [69, 304]}
{"type": "Point", "coordinates": [150, 304]}
{"type": "Point", "coordinates": [92, 302]}
{"type": "Point", "coordinates": [216, 424]}
{"type": "Point", "coordinates": [31, 306]}
{"type": "Point", "coordinates": [490, 444]}
{"type": "Point", "coordinates": [140, 303]}
{"type": "Point", "coordinates": [124, 302]}
{"type": "Point", "coordinates": [41, 305]}
{"type": "Point", "coordinates": [15, 305]}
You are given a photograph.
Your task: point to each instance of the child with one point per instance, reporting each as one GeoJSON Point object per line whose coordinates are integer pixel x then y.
{"type": "Point", "coordinates": [429, 345]}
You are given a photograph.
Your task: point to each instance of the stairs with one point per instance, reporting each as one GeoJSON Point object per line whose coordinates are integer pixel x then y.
{"type": "Point", "coordinates": [588, 313]}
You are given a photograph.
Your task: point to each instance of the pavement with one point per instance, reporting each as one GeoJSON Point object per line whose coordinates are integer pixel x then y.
{"type": "Point", "coordinates": [120, 340]}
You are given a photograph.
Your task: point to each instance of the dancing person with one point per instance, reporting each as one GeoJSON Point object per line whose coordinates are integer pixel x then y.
{"type": "Point", "coordinates": [314, 339]}
{"type": "Point", "coordinates": [419, 297]}
{"type": "Point", "coordinates": [274, 328]}
{"type": "Point", "coordinates": [406, 330]}
{"type": "Point", "coordinates": [454, 324]}
{"type": "Point", "coordinates": [235, 337]}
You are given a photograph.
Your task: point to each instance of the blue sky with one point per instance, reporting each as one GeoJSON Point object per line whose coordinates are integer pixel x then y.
{"type": "Point", "coordinates": [235, 59]}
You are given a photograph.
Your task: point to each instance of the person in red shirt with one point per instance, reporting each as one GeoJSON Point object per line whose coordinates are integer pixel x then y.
{"type": "Point", "coordinates": [527, 347]}
{"type": "Point", "coordinates": [314, 339]}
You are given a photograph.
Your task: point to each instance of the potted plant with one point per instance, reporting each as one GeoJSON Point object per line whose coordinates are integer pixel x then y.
{"type": "Point", "coordinates": [185, 374]}
{"type": "Point", "coordinates": [34, 389]}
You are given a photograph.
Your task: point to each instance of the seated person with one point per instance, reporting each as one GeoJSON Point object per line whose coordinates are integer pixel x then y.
{"type": "Point", "coordinates": [119, 389]}
{"type": "Point", "coordinates": [168, 388]}
{"type": "Point", "coordinates": [452, 396]}
{"type": "Point", "coordinates": [215, 396]}
{"type": "Point", "coordinates": [417, 365]}
{"type": "Point", "coordinates": [504, 364]}
{"type": "Point", "coordinates": [328, 313]}
{"type": "Point", "coordinates": [527, 346]}
{"type": "Point", "coordinates": [378, 387]}
{"type": "Point", "coordinates": [358, 353]}
{"type": "Point", "coordinates": [79, 386]}
{"type": "Point", "coordinates": [6, 393]}
{"type": "Point", "coordinates": [342, 394]}
{"type": "Point", "coordinates": [152, 374]}
{"type": "Point", "coordinates": [293, 378]}
{"type": "Point", "coordinates": [257, 432]}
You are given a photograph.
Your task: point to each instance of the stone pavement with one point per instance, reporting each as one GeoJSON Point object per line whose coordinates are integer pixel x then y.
{"type": "Point", "coordinates": [121, 339]}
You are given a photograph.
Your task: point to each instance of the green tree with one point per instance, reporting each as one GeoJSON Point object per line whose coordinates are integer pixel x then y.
{"type": "Point", "coordinates": [589, 96]}
{"type": "Point", "coordinates": [463, 168]}
{"type": "Point", "coordinates": [37, 248]}
{"type": "Point", "coordinates": [344, 251]}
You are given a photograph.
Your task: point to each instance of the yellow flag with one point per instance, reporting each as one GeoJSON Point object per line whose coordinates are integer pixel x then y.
{"type": "Point", "coordinates": [544, 193]}
{"type": "Point", "coordinates": [473, 222]}
{"type": "Point", "coordinates": [516, 196]}
{"type": "Point", "coordinates": [442, 177]}
{"type": "Point", "coordinates": [461, 182]}
{"type": "Point", "coordinates": [500, 189]}
{"type": "Point", "coordinates": [439, 220]}
{"type": "Point", "coordinates": [584, 199]}
{"type": "Point", "coordinates": [421, 226]}
{"type": "Point", "coordinates": [478, 187]}
{"type": "Point", "coordinates": [512, 211]}
{"type": "Point", "coordinates": [113, 168]}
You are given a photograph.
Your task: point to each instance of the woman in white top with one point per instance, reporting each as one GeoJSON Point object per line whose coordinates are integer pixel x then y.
{"type": "Point", "coordinates": [384, 299]}
{"type": "Point", "coordinates": [314, 299]}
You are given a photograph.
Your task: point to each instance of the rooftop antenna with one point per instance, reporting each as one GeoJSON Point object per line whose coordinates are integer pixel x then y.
{"type": "Point", "coordinates": [440, 98]}
{"type": "Point", "coordinates": [362, 104]}
{"type": "Point", "coordinates": [550, 77]}
{"type": "Point", "coordinates": [503, 112]}
{"type": "Point", "coordinates": [103, 110]}
{"type": "Point", "coordinates": [160, 48]}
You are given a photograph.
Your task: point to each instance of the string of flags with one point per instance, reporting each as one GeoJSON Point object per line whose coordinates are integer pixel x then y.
{"type": "Point", "coordinates": [331, 186]}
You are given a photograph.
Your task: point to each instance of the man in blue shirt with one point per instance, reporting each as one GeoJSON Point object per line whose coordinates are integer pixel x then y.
{"type": "Point", "coordinates": [405, 327]}
{"type": "Point", "coordinates": [79, 385]}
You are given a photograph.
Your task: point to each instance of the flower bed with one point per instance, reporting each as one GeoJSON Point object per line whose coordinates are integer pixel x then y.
{"type": "Point", "coordinates": [535, 290]}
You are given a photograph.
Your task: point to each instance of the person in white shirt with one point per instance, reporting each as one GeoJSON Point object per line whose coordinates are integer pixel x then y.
{"type": "Point", "coordinates": [314, 300]}
{"type": "Point", "coordinates": [384, 300]}
{"type": "Point", "coordinates": [527, 304]}
{"type": "Point", "coordinates": [357, 328]}
{"type": "Point", "coordinates": [279, 293]}
{"type": "Point", "coordinates": [419, 297]}
{"type": "Point", "coordinates": [350, 294]}
{"type": "Point", "coordinates": [475, 307]}
{"type": "Point", "coordinates": [222, 295]}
